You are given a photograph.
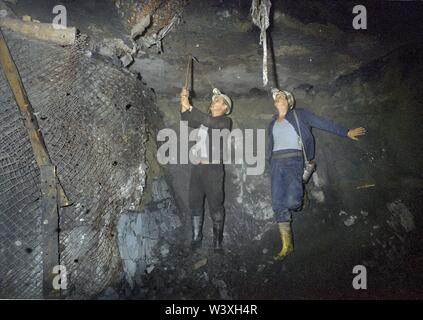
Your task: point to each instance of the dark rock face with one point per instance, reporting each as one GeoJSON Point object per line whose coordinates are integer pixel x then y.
{"type": "Point", "coordinates": [145, 236]}
{"type": "Point", "coordinates": [98, 145]}
{"type": "Point", "coordinates": [361, 206]}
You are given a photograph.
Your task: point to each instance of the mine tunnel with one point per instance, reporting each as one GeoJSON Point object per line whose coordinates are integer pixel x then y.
{"type": "Point", "coordinates": [87, 87]}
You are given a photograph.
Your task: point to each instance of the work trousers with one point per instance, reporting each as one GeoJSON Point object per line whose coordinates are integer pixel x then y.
{"type": "Point", "coordinates": [207, 181]}
{"type": "Point", "coordinates": [287, 187]}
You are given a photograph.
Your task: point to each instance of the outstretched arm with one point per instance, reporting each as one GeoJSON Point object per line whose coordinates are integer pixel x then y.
{"type": "Point", "coordinates": [328, 125]}
{"type": "Point", "coordinates": [324, 124]}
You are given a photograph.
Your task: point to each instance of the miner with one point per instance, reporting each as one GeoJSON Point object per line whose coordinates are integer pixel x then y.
{"type": "Point", "coordinates": [207, 175]}
{"type": "Point", "coordinates": [290, 147]}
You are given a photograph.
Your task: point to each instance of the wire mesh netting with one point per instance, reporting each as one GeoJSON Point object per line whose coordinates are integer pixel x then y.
{"type": "Point", "coordinates": [92, 115]}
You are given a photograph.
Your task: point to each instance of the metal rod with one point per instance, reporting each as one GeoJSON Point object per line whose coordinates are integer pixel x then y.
{"type": "Point", "coordinates": [50, 230]}
{"type": "Point", "coordinates": [189, 71]}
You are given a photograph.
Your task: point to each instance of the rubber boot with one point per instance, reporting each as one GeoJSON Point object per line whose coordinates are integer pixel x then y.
{"type": "Point", "coordinates": [286, 237]}
{"type": "Point", "coordinates": [197, 233]}
{"type": "Point", "coordinates": [218, 236]}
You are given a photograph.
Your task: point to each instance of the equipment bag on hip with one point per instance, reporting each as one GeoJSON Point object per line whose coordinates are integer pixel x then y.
{"type": "Point", "coordinates": [309, 166]}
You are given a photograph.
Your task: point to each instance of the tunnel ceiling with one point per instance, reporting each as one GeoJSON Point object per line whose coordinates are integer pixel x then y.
{"type": "Point", "coordinates": [220, 34]}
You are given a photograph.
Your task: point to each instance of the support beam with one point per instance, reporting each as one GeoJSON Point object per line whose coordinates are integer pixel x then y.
{"type": "Point", "coordinates": [50, 229]}
{"type": "Point", "coordinates": [40, 31]}
{"type": "Point", "coordinates": [31, 124]}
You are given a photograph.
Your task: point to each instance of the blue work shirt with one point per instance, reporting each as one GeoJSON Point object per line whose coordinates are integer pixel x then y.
{"type": "Point", "coordinates": [285, 136]}
{"type": "Point", "coordinates": [307, 120]}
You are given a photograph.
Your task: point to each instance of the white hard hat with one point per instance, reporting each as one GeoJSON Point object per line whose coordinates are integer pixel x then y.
{"type": "Point", "coordinates": [288, 95]}
{"type": "Point", "coordinates": [228, 101]}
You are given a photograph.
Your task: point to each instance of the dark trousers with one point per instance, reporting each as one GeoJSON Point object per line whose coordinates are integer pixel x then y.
{"type": "Point", "coordinates": [207, 181]}
{"type": "Point", "coordinates": [287, 187]}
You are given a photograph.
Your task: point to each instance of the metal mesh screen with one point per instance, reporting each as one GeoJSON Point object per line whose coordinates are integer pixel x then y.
{"type": "Point", "coordinates": [92, 116]}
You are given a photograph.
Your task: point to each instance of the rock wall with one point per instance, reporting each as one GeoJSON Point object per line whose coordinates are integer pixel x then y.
{"type": "Point", "coordinates": [362, 205]}
{"type": "Point", "coordinates": [93, 118]}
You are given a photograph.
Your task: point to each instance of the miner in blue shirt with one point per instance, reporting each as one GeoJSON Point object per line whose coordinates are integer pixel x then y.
{"type": "Point", "coordinates": [287, 161]}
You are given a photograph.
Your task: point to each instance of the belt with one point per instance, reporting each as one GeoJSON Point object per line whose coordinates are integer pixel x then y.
{"type": "Point", "coordinates": [287, 155]}
{"type": "Point", "coordinates": [207, 162]}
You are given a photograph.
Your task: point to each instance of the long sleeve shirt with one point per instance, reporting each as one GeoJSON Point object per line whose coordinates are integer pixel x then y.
{"type": "Point", "coordinates": [197, 119]}
{"type": "Point", "coordinates": [307, 121]}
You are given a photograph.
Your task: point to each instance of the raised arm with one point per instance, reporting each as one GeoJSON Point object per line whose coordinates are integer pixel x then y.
{"type": "Point", "coordinates": [196, 118]}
